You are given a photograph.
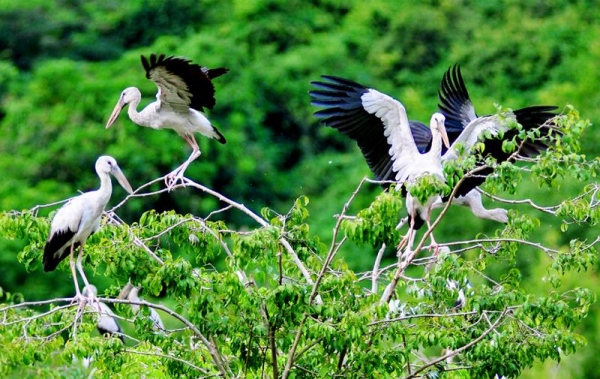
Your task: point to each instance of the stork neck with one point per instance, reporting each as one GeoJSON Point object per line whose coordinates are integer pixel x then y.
{"type": "Point", "coordinates": [436, 143]}
{"type": "Point", "coordinates": [105, 189]}
{"type": "Point", "coordinates": [134, 115]}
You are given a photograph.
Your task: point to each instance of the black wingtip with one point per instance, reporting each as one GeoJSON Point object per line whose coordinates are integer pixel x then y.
{"type": "Point", "coordinates": [215, 72]}
{"type": "Point", "coordinates": [220, 137]}
{"type": "Point", "coordinates": [145, 64]}
{"type": "Point", "coordinates": [148, 64]}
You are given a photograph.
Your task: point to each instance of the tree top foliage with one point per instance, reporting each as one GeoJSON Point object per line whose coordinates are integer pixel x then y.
{"type": "Point", "coordinates": [264, 264]}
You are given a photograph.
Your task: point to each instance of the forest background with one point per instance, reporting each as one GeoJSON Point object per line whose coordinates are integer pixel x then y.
{"type": "Point", "coordinates": [64, 63]}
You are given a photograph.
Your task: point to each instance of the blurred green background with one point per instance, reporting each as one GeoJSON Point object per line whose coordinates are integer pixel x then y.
{"type": "Point", "coordinates": [63, 64]}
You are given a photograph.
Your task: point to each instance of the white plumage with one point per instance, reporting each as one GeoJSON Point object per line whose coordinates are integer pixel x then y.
{"type": "Point", "coordinates": [131, 292]}
{"type": "Point", "coordinates": [398, 149]}
{"type": "Point", "coordinates": [79, 218]}
{"type": "Point", "coordinates": [107, 322]}
{"type": "Point", "coordinates": [408, 163]}
{"type": "Point", "coordinates": [366, 116]}
{"type": "Point", "coordinates": [184, 90]}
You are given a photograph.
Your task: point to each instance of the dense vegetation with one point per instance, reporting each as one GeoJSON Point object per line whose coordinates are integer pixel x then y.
{"type": "Point", "coordinates": [64, 64]}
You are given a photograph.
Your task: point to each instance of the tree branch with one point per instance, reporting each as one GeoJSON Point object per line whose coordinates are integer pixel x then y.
{"type": "Point", "coordinates": [461, 349]}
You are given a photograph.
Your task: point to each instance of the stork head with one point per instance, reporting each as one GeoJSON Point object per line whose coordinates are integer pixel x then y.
{"type": "Point", "coordinates": [437, 124]}
{"type": "Point", "coordinates": [128, 292]}
{"type": "Point", "coordinates": [108, 165]}
{"type": "Point", "coordinates": [128, 95]}
{"type": "Point", "coordinates": [89, 291]}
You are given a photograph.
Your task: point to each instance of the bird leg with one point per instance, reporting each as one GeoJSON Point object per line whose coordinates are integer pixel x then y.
{"type": "Point", "coordinates": [406, 238]}
{"type": "Point", "coordinates": [177, 174]}
{"type": "Point", "coordinates": [80, 267]}
{"type": "Point", "coordinates": [409, 239]}
{"type": "Point", "coordinates": [90, 297]}
{"type": "Point", "coordinates": [78, 294]}
{"type": "Point", "coordinates": [409, 244]}
{"type": "Point", "coordinates": [434, 245]}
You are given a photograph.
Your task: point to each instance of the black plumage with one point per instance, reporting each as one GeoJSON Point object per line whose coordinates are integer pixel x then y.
{"type": "Point", "coordinates": [55, 250]}
{"type": "Point", "coordinates": [344, 111]}
{"type": "Point", "coordinates": [197, 79]}
{"type": "Point", "coordinates": [455, 104]}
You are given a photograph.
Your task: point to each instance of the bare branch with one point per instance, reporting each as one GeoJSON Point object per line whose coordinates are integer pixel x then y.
{"type": "Point", "coordinates": [259, 220]}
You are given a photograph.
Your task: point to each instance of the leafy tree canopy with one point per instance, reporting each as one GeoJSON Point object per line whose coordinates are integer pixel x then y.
{"type": "Point", "coordinates": [252, 278]}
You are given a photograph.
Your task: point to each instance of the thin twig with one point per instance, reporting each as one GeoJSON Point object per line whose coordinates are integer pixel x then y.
{"type": "Point", "coordinates": [258, 219]}
{"type": "Point", "coordinates": [460, 349]}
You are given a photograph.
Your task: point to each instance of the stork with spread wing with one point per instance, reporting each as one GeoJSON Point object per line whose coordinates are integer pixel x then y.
{"type": "Point", "coordinates": [184, 90]}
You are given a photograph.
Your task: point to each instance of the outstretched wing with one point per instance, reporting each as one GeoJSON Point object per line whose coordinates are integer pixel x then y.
{"type": "Point", "coordinates": [460, 113]}
{"type": "Point", "coordinates": [455, 103]}
{"type": "Point", "coordinates": [181, 83]}
{"type": "Point", "coordinates": [372, 119]}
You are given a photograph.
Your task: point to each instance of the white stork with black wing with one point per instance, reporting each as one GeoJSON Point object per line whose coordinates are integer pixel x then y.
{"type": "Point", "coordinates": [79, 218]}
{"type": "Point", "coordinates": [382, 130]}
{"type": "Point", "coordinates": [184, 90]}
{"type": "Point", "coordinates": [456, 105]}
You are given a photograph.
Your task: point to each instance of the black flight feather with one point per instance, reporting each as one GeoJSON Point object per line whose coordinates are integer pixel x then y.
{"type": "Point", "coordinates": [455, 104]}
{"type": "Point", "coordinates": [52, 251]}
{"type": "Point", "coordinates": [196, 78]}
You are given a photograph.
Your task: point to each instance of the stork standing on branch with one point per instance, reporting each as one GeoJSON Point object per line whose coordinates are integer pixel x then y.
{"type": "Point", "coordinates": [351, 108]}
{"type": "Point", "coordinates": [184, 90]}
{"type": "Point", "coordinates": [79, 218]}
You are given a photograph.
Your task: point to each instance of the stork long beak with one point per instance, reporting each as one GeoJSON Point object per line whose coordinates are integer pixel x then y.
{"type": "Point", "coordinates": [125, 291]}
{"type": "Point", "coordinates": [117, 173]}
{"type": "Point", "coordinates": [115, 113]}
{"type": "Point", "coordinates": [444, 135]}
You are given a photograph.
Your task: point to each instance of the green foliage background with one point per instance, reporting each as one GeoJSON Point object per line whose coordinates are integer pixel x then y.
{"type": "Point", "coordinates": [64, 64]}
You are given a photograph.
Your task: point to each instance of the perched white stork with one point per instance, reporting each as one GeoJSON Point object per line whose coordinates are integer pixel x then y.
{"type": "Point", "coordinates": [130, 292]}
{"type": "Point", "coordinates": [346, 111]}
{"type": "Point", "coordinates": [79, 218]}
{"type": "Point", "coordinates": [350, 107]}
{"type": "Point", "coordinates": [107, 322]}
{"type": "Point", "coordinates": [184, 90]}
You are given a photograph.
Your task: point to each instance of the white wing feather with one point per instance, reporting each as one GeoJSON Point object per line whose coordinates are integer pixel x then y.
{"type": "Point", "coordinates": [474, 130]}
{"type": "Point", "coordinates": [68, 216]}
{"type": "Point", "coordinates": [392, 113]}
{"type": "Point", "coordinates": [468, 110]}
{"type": "Point", "coordinates": [172, 90]}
